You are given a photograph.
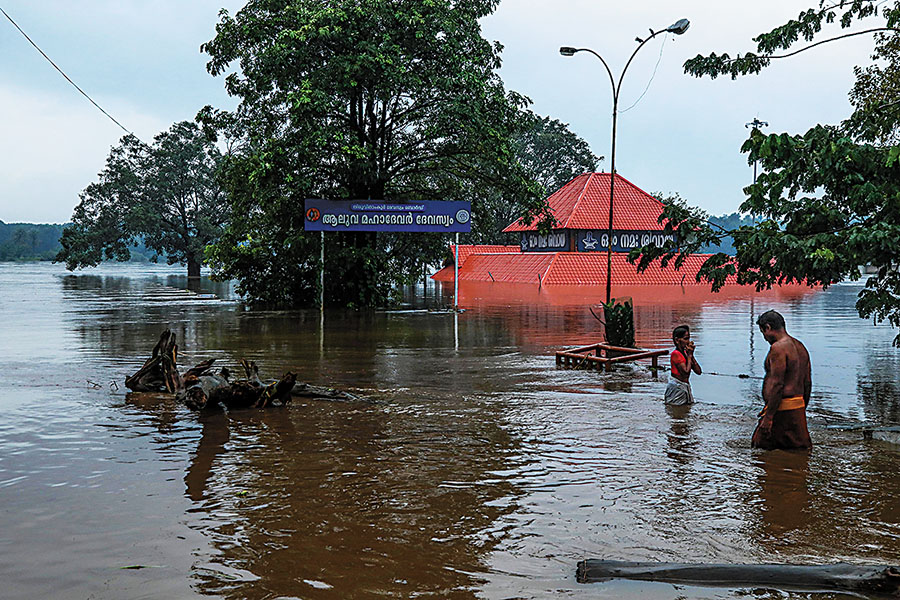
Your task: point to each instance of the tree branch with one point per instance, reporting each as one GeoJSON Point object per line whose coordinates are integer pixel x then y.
{"type": "Point", "coordinates": [820, 42]}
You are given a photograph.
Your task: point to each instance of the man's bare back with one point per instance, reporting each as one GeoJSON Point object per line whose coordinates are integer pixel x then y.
{"type": "Point", "coordinates": [797, 379]}
{"type": "Point", "coordinates": [786, 389]}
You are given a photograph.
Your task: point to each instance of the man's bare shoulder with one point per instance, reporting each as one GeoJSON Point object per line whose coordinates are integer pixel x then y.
{"type": "Point", "coordinates": [800, 347]}
{"type": "Point", "coordinates": [784, 345]}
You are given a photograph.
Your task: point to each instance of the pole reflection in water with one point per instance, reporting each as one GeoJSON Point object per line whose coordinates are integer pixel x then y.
{"type": "Point", "coordinates": [474, 469]}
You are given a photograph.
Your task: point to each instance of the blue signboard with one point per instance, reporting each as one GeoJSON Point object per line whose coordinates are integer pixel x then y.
{"type": "Point", "coordinates": [595, 240]}
{"type": "Point", "coordinates": [379, 215]}
{"type": "Point", "coordinates": [555, 241]}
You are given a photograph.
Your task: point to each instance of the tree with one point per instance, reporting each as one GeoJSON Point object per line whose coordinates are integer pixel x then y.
{"type": "Point", "coordinates": [551, 155]}
{"type": "Point", "coordinates": [166, 194]}
{"type": "Point", "coordinates": [828, 201]}
{"type": "Point", "coordinates": [383, 99]}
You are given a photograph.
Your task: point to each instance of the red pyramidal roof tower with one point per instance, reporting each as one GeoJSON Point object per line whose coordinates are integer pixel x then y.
{"type": "Point", "coordinates": [583, 203]}
{"type": "Point", "coordinates": [574, 251]}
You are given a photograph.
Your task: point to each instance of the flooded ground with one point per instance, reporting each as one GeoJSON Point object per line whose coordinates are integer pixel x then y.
{"type": "Point", "coordinates": [476, 470]}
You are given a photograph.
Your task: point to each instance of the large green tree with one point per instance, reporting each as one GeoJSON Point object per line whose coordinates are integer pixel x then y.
{"type": "Point", "coordinates": [166, 194]}
{"type": "Point", "coordinates": [828, 200]}
{"type": "Point", "coordinates": [551, 155]}
{"type": "Point", "coordinates": [383, 99]}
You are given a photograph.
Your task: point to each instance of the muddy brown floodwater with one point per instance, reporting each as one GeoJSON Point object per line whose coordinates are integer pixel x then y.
{"type": "Point", "coordinates": [478, 470]}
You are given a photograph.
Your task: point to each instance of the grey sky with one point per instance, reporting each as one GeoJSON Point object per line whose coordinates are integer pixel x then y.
{"type": "Point", "coordinates": [141, 62]}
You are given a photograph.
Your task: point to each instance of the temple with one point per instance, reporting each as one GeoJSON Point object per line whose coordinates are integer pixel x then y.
{"type": "Point", "coordinates": [574, 253]}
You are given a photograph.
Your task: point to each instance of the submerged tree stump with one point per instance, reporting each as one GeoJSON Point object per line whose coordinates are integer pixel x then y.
{"type": "Point", "coordinates": [159, 373]}
{"type": "Point", "coordinates": [200, 388]}
{"type": "Point", "coordinates": [842, 577]}
{"type": "Point", "coordinates": [203, 389]}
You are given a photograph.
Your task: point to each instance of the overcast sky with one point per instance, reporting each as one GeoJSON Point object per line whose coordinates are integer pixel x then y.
{"type": "Point", "coordinates": [141, 62]}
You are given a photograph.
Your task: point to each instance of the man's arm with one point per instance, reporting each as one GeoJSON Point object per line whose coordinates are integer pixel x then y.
{"type": "Point", "coordinates": [807, 381]}
{"type": "Point", "coordinates": [691, 361]}
{"type": "Point", "coordinates": [696, 366]}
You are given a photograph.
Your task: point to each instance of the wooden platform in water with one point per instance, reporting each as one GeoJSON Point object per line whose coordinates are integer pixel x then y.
{"type": "Point", "coordinates": [604, 356]}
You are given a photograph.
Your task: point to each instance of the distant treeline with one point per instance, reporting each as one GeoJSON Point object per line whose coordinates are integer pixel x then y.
{"type": "Point", "coordinates": [732, 221]}
{"type": "Point", "coordinates": [29, 241]}
{"type": "Point", "coordinates": [26, 241]}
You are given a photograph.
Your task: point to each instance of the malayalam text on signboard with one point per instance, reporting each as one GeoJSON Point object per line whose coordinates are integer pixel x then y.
{"type": "Point", "coordinates": [622, 240]}
{"type": "Point", "coordinates": [432, 216]}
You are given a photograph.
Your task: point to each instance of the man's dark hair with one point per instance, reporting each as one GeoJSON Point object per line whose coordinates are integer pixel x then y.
{"type": "Point", "coordinates": [771, 318]}
{"type": "Point", "coordinates": [679, 332]}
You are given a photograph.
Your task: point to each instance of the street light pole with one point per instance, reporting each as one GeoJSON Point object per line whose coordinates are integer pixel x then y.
{"type": "Point", "coordinates": [755, 124]}
{"type": "Point", "coordinates": [677, 28]}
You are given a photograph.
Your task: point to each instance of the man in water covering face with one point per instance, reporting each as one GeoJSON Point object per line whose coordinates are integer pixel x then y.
{"type": "Point", "coordinates": [786, 389]}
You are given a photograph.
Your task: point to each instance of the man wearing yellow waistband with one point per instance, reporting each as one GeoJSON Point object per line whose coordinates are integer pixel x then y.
{"type": "Point", "coordinates": [788, 382]}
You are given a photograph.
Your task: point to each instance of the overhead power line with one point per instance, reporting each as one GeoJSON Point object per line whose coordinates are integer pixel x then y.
{"type": "Point", "coordinates": [100, 108]}
{"type": "Point", "coordinates": [641, 97]}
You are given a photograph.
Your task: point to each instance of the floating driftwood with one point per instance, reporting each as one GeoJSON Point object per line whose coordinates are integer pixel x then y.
{"type": "Point", "coordinates": [202, 388]}
{"type": "Point", "coordinates": [842, 577]}
{"type": "Point", "coordinates": [159, 373]}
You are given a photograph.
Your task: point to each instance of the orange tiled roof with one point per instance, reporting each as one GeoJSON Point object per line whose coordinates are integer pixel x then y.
{"type": "Point", "coordinates": [507, 268]}
{"type": "Point", "coordinates": [570, 268]}
{"type": "Point", "coordinates": [466, 250]}
{"type": "Point", "coordinates": [583, 203]}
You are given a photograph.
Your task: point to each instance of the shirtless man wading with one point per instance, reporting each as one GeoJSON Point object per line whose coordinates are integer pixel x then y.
{"type": "Point", "coordinates": [782, 423]}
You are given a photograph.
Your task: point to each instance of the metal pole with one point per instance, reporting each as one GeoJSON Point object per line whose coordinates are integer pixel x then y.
{"type": "Point", "coordinates": [755, 124]}
{"type": "Point", "coordinates": [616, 88]}
{"type": "Point", "coordinates": [456, 274]}
{"type": "Point", "coordinates": [322, 271]}
{"type": "Point", "coordinates": [612, 184]}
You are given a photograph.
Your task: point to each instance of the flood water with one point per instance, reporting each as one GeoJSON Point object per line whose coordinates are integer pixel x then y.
{"type": "Point", "coordinates": [475, 469]}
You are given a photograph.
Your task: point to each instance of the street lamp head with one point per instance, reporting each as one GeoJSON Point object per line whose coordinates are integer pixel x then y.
{"type": "Point", "coordinates": [679, 26]}
{"type": "Point", "coordinates": [568, 51]}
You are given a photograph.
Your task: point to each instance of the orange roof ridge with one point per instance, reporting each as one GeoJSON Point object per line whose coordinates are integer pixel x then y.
{"type": "Point", "coordinates": [658, 201]}
{"type": "Point", "coordinates": [580, 198]}
{"type": "Point", "coordinates": [549, 266]}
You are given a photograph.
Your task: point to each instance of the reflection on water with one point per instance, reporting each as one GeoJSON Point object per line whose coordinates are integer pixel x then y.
{"type": "Point", "coordinates": [478, 469]}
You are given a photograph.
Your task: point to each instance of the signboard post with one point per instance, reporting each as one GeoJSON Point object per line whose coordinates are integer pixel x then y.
{"type": "Point", "coordinates": [456, 273]}
{"type": "Point", "coordinates": [427, 216]}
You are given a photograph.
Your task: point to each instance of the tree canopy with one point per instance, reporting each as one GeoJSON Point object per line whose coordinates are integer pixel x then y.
{"type": "Point", "coordinates": [828, 200]}
{"type": "Point", "coordinates": [165, 195]}
{"type": "Point", "coordinates": [382, 99]}
{"type": "Point", "coordinates": [551, 155]}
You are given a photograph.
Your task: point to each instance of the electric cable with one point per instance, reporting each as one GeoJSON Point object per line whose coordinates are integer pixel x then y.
{"type": "Point", "coordinates": [100, 108]}
{"type": "Point", "coordinates": [661, 48]}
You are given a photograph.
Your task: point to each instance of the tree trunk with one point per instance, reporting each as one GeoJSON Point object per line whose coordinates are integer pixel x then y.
{"type": "Point", "coordinates": [864, 579]}
{"type": "Point", "coordinates": [193, 266]}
